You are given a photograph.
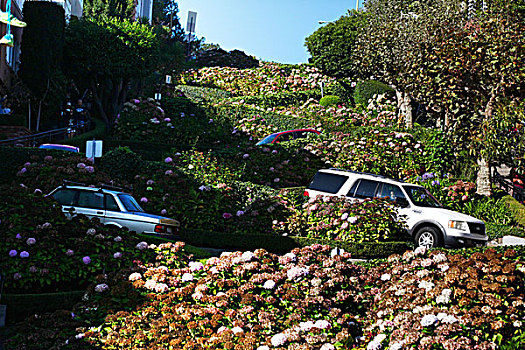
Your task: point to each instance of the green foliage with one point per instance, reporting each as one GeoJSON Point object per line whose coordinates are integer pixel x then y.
{"type": "Point", "coordinates": [438, 152]}
{"type": "Point", "coordinates": [121, 163]}
{"type": "Point", "coordinates": [366, 90]}
{"type": "Point", "coordinates": [516, 209]}
{"type": "Point", "coordinates": [285, 98]}
{"type": "Point", "coordinates": [121, 9]}
{"type": "Point", "coordinates": [329, 101]}
{"type": "Point", "coordinates": [497, 231]}
{"type": "Point", "coordinates": [106, 55]}
{"type": "Point", "coordinates": [41, 58]}
{"type": "Point", "coordinates": [331, 45]}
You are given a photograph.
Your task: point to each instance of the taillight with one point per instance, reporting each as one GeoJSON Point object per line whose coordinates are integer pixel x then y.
{"type": "Point", "coordinates": [306, 194]}
{"type": "Point", "coordinates": [160, 229]}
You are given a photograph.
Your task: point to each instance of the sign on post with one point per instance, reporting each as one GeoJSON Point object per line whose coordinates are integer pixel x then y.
{"type": "Point", "coordinates": [192, 19]}
{"type": "Point", "coordinates": [93, 149]}
{"type": "Point", "coordinates": [168, 79]}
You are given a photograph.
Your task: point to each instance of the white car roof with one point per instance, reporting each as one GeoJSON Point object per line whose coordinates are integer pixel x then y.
{"type": "Point", "coordinates": [366, 176]}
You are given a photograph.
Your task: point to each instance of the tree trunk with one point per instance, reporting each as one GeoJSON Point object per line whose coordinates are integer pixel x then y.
{"type": "Point", "coordinates": [483, 180]}
{"type": "Point", "coordinates": [404, 107]}
{"type": "Point", "coordinates": [98, 101]}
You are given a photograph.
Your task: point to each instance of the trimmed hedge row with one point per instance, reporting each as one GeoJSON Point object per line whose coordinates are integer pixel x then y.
{"type": "Point", "coordinates": [20, 306]}
{"type": "Point", "coordinates": [366, 90]}
{"type": "Point", "coordinates": [285, 98]}
{"type": "Point", "coordinates": [280, 244]}
{"type": "Point", "coordinates": [516, 209]}
{"type": "Point", "coordinates": [497, 231]}
{"type": "Point", "coordinates": [201, 94]}
{"type": "Point", "coordinates": [281, 121]}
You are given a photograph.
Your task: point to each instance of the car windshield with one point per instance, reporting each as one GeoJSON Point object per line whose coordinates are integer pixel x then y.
{"type": "Point", "coordinates": [421, 197]}
{"type": "Point", "coordinates": [267, 139]}
{"type": "Point", "coordinates": [130, 203]}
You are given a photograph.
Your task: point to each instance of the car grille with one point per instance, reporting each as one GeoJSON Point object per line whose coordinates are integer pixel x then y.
{"type": "Point", "coordinates": [476, 228]}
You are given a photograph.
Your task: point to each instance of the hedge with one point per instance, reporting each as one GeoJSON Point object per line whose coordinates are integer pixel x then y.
{"type": "Point", "coordinates": [203, 94]}
{"type": "Point", "coordinates": [285, 98]}
{"type": "Point", "coordinates": [497, 231]}
{"type": "Point", "coordinates": [280, 244]}
{"type": "Point", "coordinates": [516, 209]}
{"type": "Point", "coordinates": [366, 90]}
{"type": "Point", "coordinates": [20, 306]}
{"type": "Point", "coordinates": [281, 121]}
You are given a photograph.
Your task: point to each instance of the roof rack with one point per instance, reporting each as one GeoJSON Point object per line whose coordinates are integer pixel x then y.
{"type": "Point", "coordinates": [369, 174]}
{"type": "Point", "coordinates": [65, 183]}
{"type": "Point", "coordinates": [112, 187]}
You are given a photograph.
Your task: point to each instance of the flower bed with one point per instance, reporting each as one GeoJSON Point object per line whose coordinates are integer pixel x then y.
{"type": "Point", "coordinates": [311, 298]}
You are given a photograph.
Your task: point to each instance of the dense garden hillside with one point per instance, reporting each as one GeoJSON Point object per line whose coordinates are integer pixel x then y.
{"type": "Point", "coordinates": [192, 157]}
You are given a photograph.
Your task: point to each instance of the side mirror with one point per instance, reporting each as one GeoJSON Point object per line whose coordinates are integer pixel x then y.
{"type": "Point", "coordinates": [402, 202]}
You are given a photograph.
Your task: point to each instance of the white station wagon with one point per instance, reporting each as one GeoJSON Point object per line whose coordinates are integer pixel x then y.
{"type": "Point", "coordinates": [114, 208]}
{"type": "Point", "coordinates": [428, 222]}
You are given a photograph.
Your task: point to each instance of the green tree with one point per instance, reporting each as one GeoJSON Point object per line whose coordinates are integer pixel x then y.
{"type": "Point", "coordinates": [107, 56]}
{"type": "Point", "coordinates": [123, 9]}
{"type": "Point", "coordinates": [165, 12]}
{"type": "Point", "coordinates": [41, 58]}
{"type": "Point", "coordinates": [331, 45]}
{"type": "Point", "coordinates": [473, 70]}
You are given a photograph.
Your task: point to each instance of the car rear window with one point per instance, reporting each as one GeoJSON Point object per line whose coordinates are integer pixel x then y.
{"type": "Point", "coordinates": [326, 182]}
{"type": "Point", "coordinates": [65, 197]}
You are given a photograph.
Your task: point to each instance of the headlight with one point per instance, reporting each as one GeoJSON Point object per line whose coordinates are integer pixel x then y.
{"type": "Point", "coordinates": [458, 225]}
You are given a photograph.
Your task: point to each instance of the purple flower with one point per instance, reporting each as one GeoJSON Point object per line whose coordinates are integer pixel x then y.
{"type": "Point", "coordinates": [163, 212]}
{"type": "Point", "coordinates": [23, 170]}
{"type": "Point", "coordinates": [240, 213]}
{"type": "Point", "coordinates": [276, 179]}
{"type": "Point", "coordinates": [18, 236]}
{"type": "Point", "coordinates": [69, 252]}
{"type": "Point", "coordinates": [246, 155]}
{"type": "Point", "coordinates": [48, 158]}
{"type": "Point", "coordinates": [144, 200]}
{"type": "Point", "coordinates": [17, 276]}
{"type": "Point", "coordinates": [90, 169]}
{"type": "Point", "coordinates": [226, 215]}
{"type": "Point", "coordinates": [27, 164]}
{"type": "Point", "coordinates": [81, 165]}
{"type": "Point", "coordinates": [33, 269]}
{"type": "Point", "coordinates": [37, 191]}
{"type": "Point", "coordinates": [136, 101]}
{"type": "Point", "coordinates": [117, 255]}
{"type": "Point", "coordinates": [167, 120]}
{"type": "Point", "coordinates": [274, 151]}
{"type": "Point", "coordinates": [86, 260]}
{"type": "Point", "coordinates": [31, 241]}
{"type": "Point", "coordinates": [13, 253]}
{"type": "Point", "coordinates": [141, 245]}
{"type": "Point", "coordinates": [168, 160]}
{"type": "Point", "coordinates": [24, 254]}
{"type": "Point", "coordinates": [150, 182]}
{"type": "Point", "coordinates": [168, 172]}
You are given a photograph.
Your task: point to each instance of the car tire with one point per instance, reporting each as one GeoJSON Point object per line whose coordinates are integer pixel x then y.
{"type": "Point", "coordinates": [428, 237]}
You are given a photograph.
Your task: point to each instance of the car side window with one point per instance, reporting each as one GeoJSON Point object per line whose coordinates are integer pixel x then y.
{"type": "Point", "coordinates": [111, 203]}
{"type": "Point", "coordinates": [366, 189]}
{"type": "Point", "coordinates": [351, 193]}
{"type": "Point", "coordinates": [65, 197]}
{"type": "Point", "coordinates": [391, 191]}
{"type": "Point", "coordinates": [92, 200]}
{"type": "Point", "coordinates": [284, 137]}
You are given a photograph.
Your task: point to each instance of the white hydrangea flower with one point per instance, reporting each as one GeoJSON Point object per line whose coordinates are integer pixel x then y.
{"type": "Point", "coordinates": [385, 277]}
{"type": "Point", "coordinates": [429, 320]}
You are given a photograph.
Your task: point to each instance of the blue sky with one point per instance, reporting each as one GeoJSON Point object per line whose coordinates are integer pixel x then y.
{"type": "Point", "coordinates": [271, 30]}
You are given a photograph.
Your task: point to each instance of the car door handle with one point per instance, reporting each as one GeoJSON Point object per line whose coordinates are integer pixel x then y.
{"type": "Point", "coordinates": [416, 211]}
{"type": "Point", "coordinates": [100, 212]}
{"type": "Point", "coordinates": [70, 209]}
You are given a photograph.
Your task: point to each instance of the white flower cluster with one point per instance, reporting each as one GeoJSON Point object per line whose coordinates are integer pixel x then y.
{"type": "Point", "coordinates": [142, 246]}
{"type": "Point", "coordinates": [444, 297]}
{"type": "Point", "coordinates": [427, 285]}
{"type": "Point", "coordinates": [375, 344]}
{"type": "Point", "coordinates": [429, 320]}
{"type": "Point", "coordinates": [248, 256]}
{"type": "Point", "coordinates": [134, 276]}
{"type": "Point", "coordinates": [296, 272]}
{"type": "Point", "coordinates": [195, 266]}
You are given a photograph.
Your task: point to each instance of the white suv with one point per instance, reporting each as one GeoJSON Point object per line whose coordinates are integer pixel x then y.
{"type": "Point", "coordinates": [428, 222]}
{"type": "Point", "coordinates": [113, 208]}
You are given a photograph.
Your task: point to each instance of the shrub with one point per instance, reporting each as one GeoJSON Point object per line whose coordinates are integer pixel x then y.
{"type": "Point", "coordinates": [366, 90]}
{"type": "Point", "coordinates": [122, 163]}
{"type": "Point", "coordinates": [329, 101]}
{"type": "Point", "coordinates": [333, 218]}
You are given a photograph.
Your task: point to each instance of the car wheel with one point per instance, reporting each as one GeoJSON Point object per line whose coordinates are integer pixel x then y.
{"type": "Point", "coordinates": [428, 237]}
